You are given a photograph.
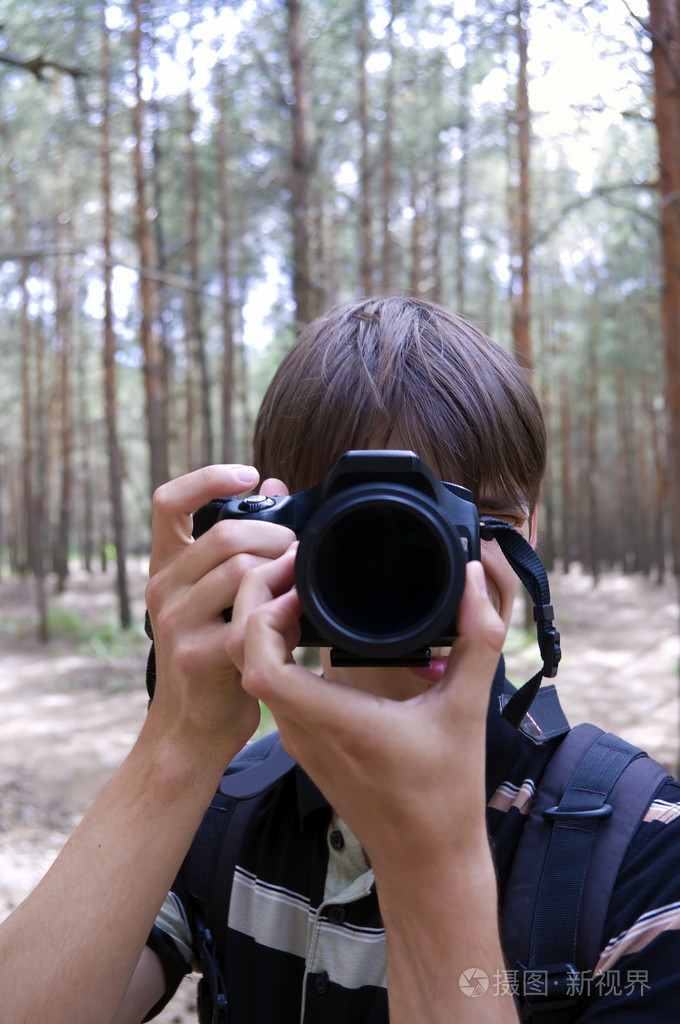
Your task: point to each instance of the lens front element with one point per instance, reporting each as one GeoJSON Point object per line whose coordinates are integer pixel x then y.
{"type": "Point", "coordinates": [380, 570]}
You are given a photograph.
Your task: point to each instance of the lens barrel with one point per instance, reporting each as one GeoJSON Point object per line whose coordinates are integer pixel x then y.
{"type": "Point", "coordinates": [380, 570]}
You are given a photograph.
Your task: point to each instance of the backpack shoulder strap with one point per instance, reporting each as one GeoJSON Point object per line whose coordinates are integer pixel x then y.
{"type": "Point", "coordinates": [208, 868]}
{"type": "Point", "coordinates": [589, 804]}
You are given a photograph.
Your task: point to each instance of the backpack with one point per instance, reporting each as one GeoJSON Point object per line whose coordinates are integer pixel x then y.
{"type": "Point", "coordinates": [588, 805]}
{"type": "Point", "coordinates": [591, 798]}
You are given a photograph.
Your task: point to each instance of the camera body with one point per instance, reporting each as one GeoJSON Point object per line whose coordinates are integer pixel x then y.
{"type": "Point", "coordinates": [380, 567]}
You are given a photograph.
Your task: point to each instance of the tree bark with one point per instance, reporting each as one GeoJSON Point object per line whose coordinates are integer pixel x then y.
{"type": "Point", "coordinates": [63, 357]}
{"type": "Point", "coordinates": [299, 167]}
{"type": "Point", "coordinates": [521, 201]}
{"type": "Point", "coordinates": [566, 473]}
{"type": "Point", "coordinates": [664, 21]}
{"type": "Point", "coordinates": [109, 352]}
{"type": "Point", "coordinates": [592, 552]}
{"type": "Point", "coordinates": [225, 245]}
{"type": "Point", "coordinates": [194, 298]}
{"type": "Point", "coordinates": [388, 180]}
{"type": "Point", "coordinates": [416, 246]}
{"type": "Point", "coordinates": [365, 232]}
{"type": "Point", "coordinates": [154, 384]}
{"type": "Point", "coordinates": [462, 175]}
{"type": "Point", "coordinates": [659, 488]}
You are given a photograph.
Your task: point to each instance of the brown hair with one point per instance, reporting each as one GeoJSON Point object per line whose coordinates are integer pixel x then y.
{"type": "Point", "coordinates": [405, 367]}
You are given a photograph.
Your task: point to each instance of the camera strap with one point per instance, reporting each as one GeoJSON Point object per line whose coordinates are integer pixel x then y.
{"type": "Point", "coordinates": [531, 571]}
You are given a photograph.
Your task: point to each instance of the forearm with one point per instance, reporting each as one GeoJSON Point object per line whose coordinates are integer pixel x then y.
{"type": "Point", "coordinates": [68, 952]}
{"type": "Point", "coordinates": [439, 924]}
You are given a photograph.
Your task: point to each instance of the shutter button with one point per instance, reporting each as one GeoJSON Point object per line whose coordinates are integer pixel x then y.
{"type": "Point", "coordinates": [337, 839]}
{"type": "Point", "coordinates": [255, 503]}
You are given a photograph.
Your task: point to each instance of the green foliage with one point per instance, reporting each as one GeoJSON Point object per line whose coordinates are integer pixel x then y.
{"type": "Point", "coordinates": [103, 640]}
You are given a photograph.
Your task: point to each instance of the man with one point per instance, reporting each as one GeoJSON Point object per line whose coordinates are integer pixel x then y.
{"type": "Point", "coordinates": [406, 760]}
{"type": "Point", "coordinates": [367, 878]}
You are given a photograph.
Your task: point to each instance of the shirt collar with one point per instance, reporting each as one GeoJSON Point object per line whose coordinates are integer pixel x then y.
{"type": "Point", "coordinates": [507, 748]}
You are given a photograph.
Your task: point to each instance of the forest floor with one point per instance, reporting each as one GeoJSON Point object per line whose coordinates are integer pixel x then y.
{"type": "Point", "coordinates": [70, 709]}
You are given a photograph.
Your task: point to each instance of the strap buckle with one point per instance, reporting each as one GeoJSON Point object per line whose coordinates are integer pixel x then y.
{"type": "Point", "coordinates": [551, 651]}
{"type": "Point", "coordinates": [551, 987]}
{"type": "Point", "coordinates": [564, 814]}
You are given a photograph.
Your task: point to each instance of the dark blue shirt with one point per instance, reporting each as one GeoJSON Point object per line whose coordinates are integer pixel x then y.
{"type": "Point", "coordinates": [300, 930]}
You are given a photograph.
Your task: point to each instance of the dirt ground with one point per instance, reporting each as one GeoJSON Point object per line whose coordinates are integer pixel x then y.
{"type": "Point", "coordinates": [71, 709]}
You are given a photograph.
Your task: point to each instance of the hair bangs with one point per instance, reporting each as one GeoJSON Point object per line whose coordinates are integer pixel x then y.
{"type": "Point", "coordinates": [403, 372]}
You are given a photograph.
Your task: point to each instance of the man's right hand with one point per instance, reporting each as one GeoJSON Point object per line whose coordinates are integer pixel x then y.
{"type": "Point", "coordinates": [199, 703]}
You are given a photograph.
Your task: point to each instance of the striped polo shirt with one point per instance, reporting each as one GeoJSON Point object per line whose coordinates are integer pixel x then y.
{"type": "Point", "coordinates": [304, 942]}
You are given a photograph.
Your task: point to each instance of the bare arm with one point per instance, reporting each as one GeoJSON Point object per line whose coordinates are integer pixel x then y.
{"type": "Point", "coordinates": [70, 950]}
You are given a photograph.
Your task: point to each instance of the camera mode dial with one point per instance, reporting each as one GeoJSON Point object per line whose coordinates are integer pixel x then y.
{"type": "Point", "coordinates": [255, 503]}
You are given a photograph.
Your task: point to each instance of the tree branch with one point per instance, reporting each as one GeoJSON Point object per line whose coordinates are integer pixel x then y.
{"type": "Point", "coordinates": [659, 40]}
{"type": "Point", "coordinates": [38, 65]}
{"type": "Point", "coordinates": [599, 192]}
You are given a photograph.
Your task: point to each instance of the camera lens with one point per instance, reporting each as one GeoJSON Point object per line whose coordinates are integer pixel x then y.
{"type": "Point", "coordinates": [379, 570]}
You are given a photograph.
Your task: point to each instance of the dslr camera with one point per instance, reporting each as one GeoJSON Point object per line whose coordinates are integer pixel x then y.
{"type": "Point", "coordinates": [380, 568]}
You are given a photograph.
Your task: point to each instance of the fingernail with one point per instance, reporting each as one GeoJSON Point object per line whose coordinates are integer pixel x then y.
{"type": "Point", "coordinates": [245, 474]}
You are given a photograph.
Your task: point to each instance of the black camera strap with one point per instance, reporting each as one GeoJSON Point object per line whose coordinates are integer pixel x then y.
{"type": "Point", "coordinates": [531, 572]}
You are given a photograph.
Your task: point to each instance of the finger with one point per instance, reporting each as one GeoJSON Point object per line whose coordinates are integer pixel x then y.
{"type": "Point", "coordinates": [260, 586]}
{"type": "Point", "coordinates": [225, 548]}
{"type": "Point", "coordinates": [175, 502]}
{"type": "Point", "coordinates": [289, 690]}
{"type": "Point", "coordinates": [272, 487]}
{"type": "Point", "coordinates": [477, 648]}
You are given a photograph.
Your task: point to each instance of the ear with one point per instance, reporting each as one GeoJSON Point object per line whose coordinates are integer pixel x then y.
{"type": "Point", "coordinates": [533, 527]}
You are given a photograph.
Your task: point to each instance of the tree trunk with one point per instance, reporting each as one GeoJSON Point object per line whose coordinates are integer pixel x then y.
{"type": "Point", "coordinates": [27, 524]}
{"type": "Point", "coordinates": [462, 176]}
{"type": "Point", "coordinates": [109, 353]}
{"type": "Point", "coordinates": [416, 245]}
{"type": "Point", "coordinates": [436, 230]}
{"type": "Point", "coordinates": [164, 292]}
{"type": "Point", "coordinates": [83, 427]}
{"type": "Point", "coordinates": [388, 163]}
{"type": "Point", "coordinates": [194, 298]}
{"type": "Point", "coordinates": [659, 488]}
{"type": "Point", "coordinates": [62, 350]}
{"type": "Point", "coordinates": [365, 233]}
{"type": "Point", "coordinates": [300, 167]}
{"type": "Point", "coordinates": [40, 502]}
{"type": "Point", "coordinates": [26, 532]}
{"type": "Point", "coordinates": [567, 503]}
{"type": "Point", "coordinates": [664, 18]}
{"type": "Point", "coordinates": [150, 326]}
{"type": "Point", "coordinates": [225, 244]}
{"type": "Point", "coordinates": [626, 475]}
{"type": "Point", "coordinates": [521, 214]}
{"type": "Point", "coordinates": [546, 521]}
{"type": "Point", "coordinates": [592, 550]}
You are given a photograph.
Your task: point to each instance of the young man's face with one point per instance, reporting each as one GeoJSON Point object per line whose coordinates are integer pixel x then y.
{"type": "Point", "coordinates": [502, 584]}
